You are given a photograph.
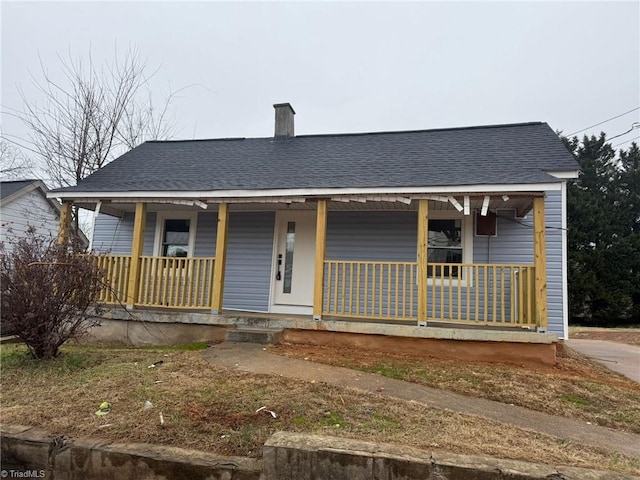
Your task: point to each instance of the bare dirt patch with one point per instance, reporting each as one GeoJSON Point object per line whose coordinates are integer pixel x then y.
{"type": "Point", "coordinates": [214, 409]}
{"type": "Point", "coordinates": [630, 336]}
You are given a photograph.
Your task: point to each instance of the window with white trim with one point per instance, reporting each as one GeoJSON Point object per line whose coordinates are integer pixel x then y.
{"type": "Point", "coordinates": [175, 239]}
{"type": "Point", "coordinates": [450, 241]}
{"type": "Point", "coordinates": [445, 245]}
{"type": "Point", "coordinates": [175, 234]}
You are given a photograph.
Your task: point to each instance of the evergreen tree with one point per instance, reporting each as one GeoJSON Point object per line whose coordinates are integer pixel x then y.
{"type": "Point", "coordinates": [604, 234]}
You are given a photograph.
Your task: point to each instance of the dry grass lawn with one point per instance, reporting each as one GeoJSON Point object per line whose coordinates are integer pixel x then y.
{"type": "Point", "coordinates": [213, 409]}
{"type": "Point", "coordinates": [576, 387]}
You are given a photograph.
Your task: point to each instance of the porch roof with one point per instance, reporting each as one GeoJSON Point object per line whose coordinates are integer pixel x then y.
{"type": "Point", "coordinates": [513, 154]}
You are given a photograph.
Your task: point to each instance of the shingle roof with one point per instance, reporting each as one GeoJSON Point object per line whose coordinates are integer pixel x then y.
{"type": "Point", "coordinates": [9, 188]}
{"type": "Point", "coordinates": [499, 154]}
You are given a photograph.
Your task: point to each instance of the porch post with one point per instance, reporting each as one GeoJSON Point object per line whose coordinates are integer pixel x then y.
{"type": "Point", "coordinates": [64, 225]}
{"type": "Point", "coordinates": [136, 251]}
{"type": "Point", "coordinates": [423, 241]}
{"type": "Point", "coordinates": [321, 243]}
{"type": "Point", "coordinates": [540, 262]}
{"type": "Point", "coordinates": [221, 258]}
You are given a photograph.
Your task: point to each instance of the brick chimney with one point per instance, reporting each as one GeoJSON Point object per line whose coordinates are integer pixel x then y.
{"type": "Point", "coordinates": [284, 120]}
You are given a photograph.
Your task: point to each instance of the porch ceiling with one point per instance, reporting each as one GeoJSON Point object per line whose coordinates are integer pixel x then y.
{"type": "Point", "coordinates": [520, 202]}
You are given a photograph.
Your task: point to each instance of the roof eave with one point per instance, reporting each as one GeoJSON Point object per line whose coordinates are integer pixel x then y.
{"type": "Point", "coordinates": [565, 174]}
{"type": "Point", "coordinates": [552, 184]}
{"type": "Point", "coordinates": [35, 185]}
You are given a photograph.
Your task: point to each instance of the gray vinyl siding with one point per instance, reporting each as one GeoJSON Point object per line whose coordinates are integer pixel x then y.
{"type": "Point", "coordinates": [512, 244]}
{"type": "Point", "coordinates": [115, 235]}
{"type": "Point", "coordinates": [149, 234]}
{"type": "Point", "coordinates": [372, 236]}
{"type": "Point", "coordinates": [112, 234]}
{"type": "Point", "coordinates": [29, 210]}
{"type": "Point", "coordinates": [553, 223]}
{"type": "Point", "coordinates": [249, 257]}
{"type": "Point", "coordinates": [205, 245]}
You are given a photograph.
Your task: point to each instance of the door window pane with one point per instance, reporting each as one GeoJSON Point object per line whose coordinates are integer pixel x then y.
{"type": "Point", "coordinates": [288, 257]}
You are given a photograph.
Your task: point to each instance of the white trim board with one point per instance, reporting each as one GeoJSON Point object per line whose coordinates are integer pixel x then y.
{"type": "Point", "coordinates": [564, 175]}
{"type": "Point", "coordinates": [564, 257]}
{"type": "Point", "coordinates": [214, 194]}
{"type": "Point", "coordinates": [291, 309]}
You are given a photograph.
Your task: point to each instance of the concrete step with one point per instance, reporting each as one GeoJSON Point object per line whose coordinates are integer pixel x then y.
{"type": "Point", "coordinates": [253, 335]}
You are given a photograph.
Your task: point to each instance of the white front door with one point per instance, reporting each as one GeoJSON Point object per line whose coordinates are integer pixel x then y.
{"type": "Point", "coordinates": [294, 262]}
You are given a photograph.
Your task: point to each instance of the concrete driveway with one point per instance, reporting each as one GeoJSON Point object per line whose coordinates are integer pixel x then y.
{"type": "Point", "coordinates": [619, 357]}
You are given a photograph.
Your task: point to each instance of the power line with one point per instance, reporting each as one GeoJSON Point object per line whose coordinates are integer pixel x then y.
{"type": "Point", "coordinates": [528, 225]}
{"type": "Point", "coordinates": [634, 125]}
{"type": "Point", "coordinates": [626, 141]}
{"type": "Point", "coordinates": [605, 121]}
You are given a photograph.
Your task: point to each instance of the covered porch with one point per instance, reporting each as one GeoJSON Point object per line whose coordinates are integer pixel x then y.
{"type": "Point", "coordinates": [459, 291]}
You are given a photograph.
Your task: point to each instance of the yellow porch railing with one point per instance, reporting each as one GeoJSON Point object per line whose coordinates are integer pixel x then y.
{"type": "Point", "coordinates": [168, 282]}
{"type": "Point", "coordinates": [116, 277]}
{"type": "Point", "coordinates": [485, 294]}
{"type": "Point", "coordinates": [176, 282]}
{"type": "Point", "coordinates": [377, 290]}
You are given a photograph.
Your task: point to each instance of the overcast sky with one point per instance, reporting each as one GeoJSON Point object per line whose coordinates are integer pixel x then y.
{"type": "Point", "coordinates": [350, 67]}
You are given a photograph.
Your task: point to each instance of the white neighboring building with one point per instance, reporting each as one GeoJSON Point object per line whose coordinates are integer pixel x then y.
{"type": "Point", "coordinates": [24, 204]}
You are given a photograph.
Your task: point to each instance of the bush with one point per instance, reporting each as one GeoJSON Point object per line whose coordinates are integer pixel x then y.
{"type": "Point", "coordinates": [49, 292]}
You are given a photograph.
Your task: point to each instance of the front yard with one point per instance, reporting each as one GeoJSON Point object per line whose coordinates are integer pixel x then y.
{"type": "Point", "coordinates": [209, 408]}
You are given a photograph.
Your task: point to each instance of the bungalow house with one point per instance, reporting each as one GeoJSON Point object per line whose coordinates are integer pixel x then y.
{"type": "Point", "coordinates": [454, 227]}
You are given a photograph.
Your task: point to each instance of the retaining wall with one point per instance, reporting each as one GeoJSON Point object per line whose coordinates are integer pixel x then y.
{"type": "Point", "coordinates": [286, 456]}
{"type": "Point", "coordinates": [55, 457]}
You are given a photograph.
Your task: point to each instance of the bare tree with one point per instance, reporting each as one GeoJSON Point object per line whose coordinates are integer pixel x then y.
{"type": "Point", "coordinates": [92, 115]}
{"type": "Point", "coordinates": [13, 164]}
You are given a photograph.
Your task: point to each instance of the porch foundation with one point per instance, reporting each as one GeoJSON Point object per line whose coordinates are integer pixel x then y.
{"type": "Point", "coordinates": [153, 327]}
{"type": "Point", "coordinates": [497, 351]}
{"type": "Point", "coordinates": [140, 333]}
